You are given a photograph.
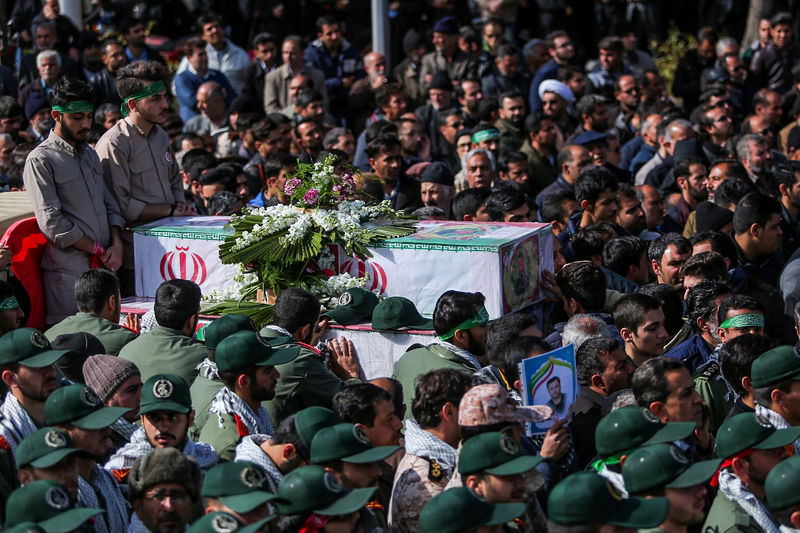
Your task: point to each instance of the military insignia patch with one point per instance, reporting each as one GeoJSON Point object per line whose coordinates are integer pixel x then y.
{"type": "Point", "coordinates": [435, 472]}
{"type": "Point", "coordinates": [162, 388]}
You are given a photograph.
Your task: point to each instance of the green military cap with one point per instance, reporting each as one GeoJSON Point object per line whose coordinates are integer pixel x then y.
{"type": "Point", "coordinates": [494, 453]}
{"type": "Point", "coordinates": [224, 326]}
{"type": "Point", "coordinates": [49, 502]}
{"type": "Point", "coordinates": [397, 312]}
{"type": "Point", "coordinates": [46, 447]}
{"type": "Point", "coordinates": [311, 488]}
{"type": "Point", "coordinates": [588, 498]}
{"type": "Point", "coordinates": [781, 485]}
{"type": "Point", "coordinates": [629, 427]}
{"type": "Point", "coordinates": [459, 508]}
{"type": "Point", "coordinates": [240, 486]}
{"type": "Point", "coordinates": [80, 406]}
{"type": "Point", "coordinates": [28, 347]}
{"type": "Point", "coordinates": [246, 349]}
{"type": "Point", "coordinates": [165, 392]}
{"type": "Point", "coordinates": [311, 419]}
{"type": "Point", "coordinates": [355, 305]}
{"type": "Point", "coordinates": [26, 527]}
{"type": "Point", "coordinates": [664, 465]}
{"type": "Point", "coordinates": [750, 430]}
{"type": "Point", "coordinates": [775, 365]}
{"type": "Point", "coordinates": [349, 443]}
{"type": "Point", "coordinates": [222, 522]}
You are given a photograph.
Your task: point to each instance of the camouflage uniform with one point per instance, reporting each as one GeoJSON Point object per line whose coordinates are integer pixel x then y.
{"type": "Point", "coordinates": [417, 481]}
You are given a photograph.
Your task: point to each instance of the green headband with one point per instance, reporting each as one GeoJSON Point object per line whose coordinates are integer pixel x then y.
{"type": "Point", "coordinates": [747, 320]}
{"type": "Point", "coordinates": [149, 90]}
{"type": "Point", "coordinates": [481, 317]}
{"type": "Point", "coordinates": [9, 303]}
{"type": "Point", "coordinates": [611, 460]}
{"type": "Point", "coordinates": [484, 135]}
{"type": "Point", "coordinates": [80, 106]}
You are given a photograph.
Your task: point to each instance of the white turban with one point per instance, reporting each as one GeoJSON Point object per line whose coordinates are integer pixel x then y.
{"type": "Point", "coordinates": [555, 86]}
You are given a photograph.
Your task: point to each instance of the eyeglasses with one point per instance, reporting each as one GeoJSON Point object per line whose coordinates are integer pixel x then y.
{"type": "Point", "coordinates": [175, 495]}
{"type": "Point", "coordinates": [722, 103]}
{"type": "Point", "coordinates": [456, 125]}
{"type": "Point", "coordinates": [632, 90]}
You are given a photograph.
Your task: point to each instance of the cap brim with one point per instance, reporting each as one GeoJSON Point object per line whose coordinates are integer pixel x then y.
{"type": "Point", "coordinates": [502, 513]}
{"type": "Point", "coordinates": [378, 453]}
{"type": "Point", "coordinates": [69, 520]}
{"type": "Point", "coordinates": [697, 474]}
{"type": "Point", "coordinates": [45, 358]}
{"type": "Point", "coordinates": [781, 437]}
{"type": "Point", "coordinates": [163, 406]}
{"type": "Point", "coordinates": [102, 418]}
{"type": "Point", "coordinates": [281, 355]}
{"type": "Point", "coordinates": [244, 503]}
{"type": "Point", "coordinates": [518, 465]}
{"type": "Point", "coordinates": [671, 432]}
{"type": "Point", "coordinates": [640, 513]}
{"type": "Point", "coordinates": [534, 413]}
{"type": "Point", "coordinates": [345, 316]}
{"type": "Point", "coordinates": [46, 461]}
{"type": "Point", "coordinates": [425, 323]}
{"type": "Point", "coordinates": [349, 503]}
{"type": "Point", "coordinates": [252, 528]}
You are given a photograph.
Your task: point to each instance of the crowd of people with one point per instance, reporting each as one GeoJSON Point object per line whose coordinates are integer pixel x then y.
{"type": "Point", "coordinates": [676, 259]}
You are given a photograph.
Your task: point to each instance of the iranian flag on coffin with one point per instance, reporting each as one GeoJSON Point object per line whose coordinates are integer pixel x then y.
{"type": "Point", "coordinates": [501, 260]}
{"type": "Point", "coordinates": [181, 247]}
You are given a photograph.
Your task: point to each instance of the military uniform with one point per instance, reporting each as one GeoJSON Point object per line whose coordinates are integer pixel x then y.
{"type": "Point", "coordinates": [417, 480]}
{"type": "Point", "coordinates": [165, 350]}
{"type": "Point", "coordinates": [543, 173]}
{"type": "Point", "coordinates": [223, 439]}
{"type": "Point", "coordinates": [113, 336]}
{"type": "Point", "coordinates": [203, 391]}
{"type": "Point", "coordinates": [423, 360]}
{"type": "Point", "coordinates": [726, 516]}
{"type": "Point", "coordinates": [708, 382]}
{"type": "Point", "coordinates": [304, 382]}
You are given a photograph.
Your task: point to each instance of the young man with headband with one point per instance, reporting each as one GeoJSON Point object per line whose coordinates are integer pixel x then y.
{"type": "Point", "coordinates": [138, 162]}
{"type": "Point", "coordinates": [74, 209]}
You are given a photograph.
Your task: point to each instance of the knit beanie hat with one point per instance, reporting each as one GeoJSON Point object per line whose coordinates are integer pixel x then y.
{"type": "Point", "coordinates": [165, 465]}
{"type": "Point", "coordinates": [104, 374]}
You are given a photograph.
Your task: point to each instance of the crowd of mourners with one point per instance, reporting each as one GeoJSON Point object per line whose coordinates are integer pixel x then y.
{"type": "Point", "coordinates": [675, 214]}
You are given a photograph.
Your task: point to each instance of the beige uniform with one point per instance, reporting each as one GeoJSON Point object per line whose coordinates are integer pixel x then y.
{"type": "Point", "coordinates": [140, 171]}
{"type": "Point", "coordinates": [70, 200]}
{"type": "Point", "coordinates": [462, 67]}
{"type": "Point", "coordinates": [276, 86]}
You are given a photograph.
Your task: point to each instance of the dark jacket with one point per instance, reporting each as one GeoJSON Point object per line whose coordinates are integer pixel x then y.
{"type": "Point", "coordinates": [773, 69]}
{"type": "Point", "coordinates": [586, 415]}
{"type": "Point", "coordinates": [693, 352]}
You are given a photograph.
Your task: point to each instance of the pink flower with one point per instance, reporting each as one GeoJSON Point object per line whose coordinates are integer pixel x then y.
{"type": "Point", "coordinates": [291, 185]}
{"type": "Point", "coordinates": [311, 197]}
{"type": "Point", "coordinates": [337, 189]}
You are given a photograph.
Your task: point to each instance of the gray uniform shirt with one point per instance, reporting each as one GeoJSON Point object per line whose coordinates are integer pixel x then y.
{"type": "Point", "coordinates": [70, 200]}
{"type": "Point", "coordinates": [140, 170]}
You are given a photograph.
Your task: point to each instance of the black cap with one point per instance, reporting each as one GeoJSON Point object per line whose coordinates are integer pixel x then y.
{"type": "Point", "coordinates": [437, 172]}
{"type": "Point", "coordinates": [711, 217]}
{"type": "Point", "coordinates": [411, 40]}
{"type": "Point", "coordinates": [441, 81]}
{"type": "Point", "coordinates": [688, 148]}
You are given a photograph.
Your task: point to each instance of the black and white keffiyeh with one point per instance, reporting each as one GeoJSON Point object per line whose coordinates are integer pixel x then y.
{"type": "Point", "coordinates": [424, 444]}
{"type": "Point", "coordinates": [249, 449]}
{"type": "Point", "coordinates": [732, 487]}
{"type": "Point", "coordinates": [15, 422]}
{"type": "Point", "coordinates": [461, 352]}
{"type": "Point", "coordinates": [139, 446]}
{"type": "Point", "coordinates": [226, 402]}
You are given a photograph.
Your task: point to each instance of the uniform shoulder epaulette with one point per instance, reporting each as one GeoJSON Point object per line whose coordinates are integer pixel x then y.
{"type": "Point", "coordinates": [707, 371]}
{"type": "Point", "coordinates": [375, 505]}
{"type": "Point", "coordinates": [435, 471]}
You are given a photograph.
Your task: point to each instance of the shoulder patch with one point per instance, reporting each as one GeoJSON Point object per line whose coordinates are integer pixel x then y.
{"type": "Point", "coordinates": [121, 475]}
{"type": "Point", "coordinates": [4, 445]}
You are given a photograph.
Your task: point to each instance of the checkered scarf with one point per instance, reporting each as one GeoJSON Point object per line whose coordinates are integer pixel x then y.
{"type": "Point", "coordinates": [776, 420]}
{"type": "Point", "coordinates": [787, 529]}
{"type": "Point", "coordinates": [140, 446]}
{"type": "Point", "coordinates": [732, 487]}
{"type": "Point", "coordinates": [249, 449]}
{"type": "Point", "coordinates": [102, 485]}
{"type": "Point", "coordinates": [124, 428]}
{"type": "Point", "coordinates": [208, 369]}
{"type": "Point", "coordinates": [424, 444]}
{"type": "Point", "coordinates": [226, 402]}
{"type": "Point", "coordinates": [615, 479]}
{"type": "Point", "coordinates": [15, 422]}
{"type": "Point", "coordinates": [279, 329]}
{"type": "Point", "coordinates": [461, 352]}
